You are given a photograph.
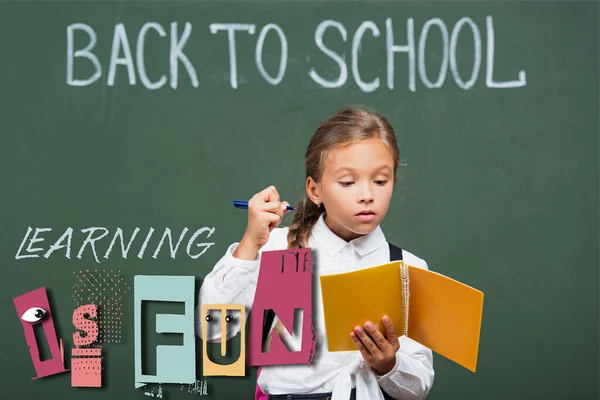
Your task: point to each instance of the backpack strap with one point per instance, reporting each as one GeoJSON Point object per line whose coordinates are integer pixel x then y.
{"type": "Point", "coordinates": [395, 252]}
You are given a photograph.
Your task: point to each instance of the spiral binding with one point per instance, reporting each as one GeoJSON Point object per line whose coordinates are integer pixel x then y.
{"type": "Point", "coordinates": [405, 295]}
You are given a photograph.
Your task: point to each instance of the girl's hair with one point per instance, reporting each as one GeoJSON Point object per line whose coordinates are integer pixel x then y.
{"type": "Point", "coordinates": [348, 126]}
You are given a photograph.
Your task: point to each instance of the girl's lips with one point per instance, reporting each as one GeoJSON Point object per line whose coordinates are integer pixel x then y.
{"type": "Point", "coordinates": [366, 217]}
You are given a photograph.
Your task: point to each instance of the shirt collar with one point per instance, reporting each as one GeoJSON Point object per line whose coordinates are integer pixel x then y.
{"type": "Point", "coordinates": [332, 243]}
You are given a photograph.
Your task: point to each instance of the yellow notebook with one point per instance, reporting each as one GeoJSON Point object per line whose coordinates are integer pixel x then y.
{"type": "Point", "coordinates": [434, 310]}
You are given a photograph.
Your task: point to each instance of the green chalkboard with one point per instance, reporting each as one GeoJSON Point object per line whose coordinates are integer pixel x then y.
{"type": "Point", "coordinates": [133, 114]}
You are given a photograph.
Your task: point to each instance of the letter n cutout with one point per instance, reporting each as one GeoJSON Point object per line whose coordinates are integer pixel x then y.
{"type": "Point", "coordinates": [284, 284]}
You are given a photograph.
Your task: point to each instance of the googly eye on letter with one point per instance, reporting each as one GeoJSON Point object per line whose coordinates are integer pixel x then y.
{"type": "Point", "coordinates": [34, 314]}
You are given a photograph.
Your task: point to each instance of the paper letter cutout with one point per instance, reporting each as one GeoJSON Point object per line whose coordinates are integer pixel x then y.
{"type": "Point", "coordinates": [174, 364]}
{"type": "Point", "coordinates": [85, 324]}
{"type": "Point", "coordinates": [86, 372]}
{"type": "Point", "coordinates": [238, 368]}
{"type": "Point", "coordinates": [39, 299]}
{"type": "Point", "coordinates": [284, 284]}
{"type": "Point", "coordinates": [213, 333]}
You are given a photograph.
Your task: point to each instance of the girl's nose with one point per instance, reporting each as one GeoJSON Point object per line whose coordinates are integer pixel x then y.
{"type": "Point", "coordinates": [366, 195]}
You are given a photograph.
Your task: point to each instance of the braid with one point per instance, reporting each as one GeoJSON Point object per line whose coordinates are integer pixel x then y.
{"type": "Point", "coordinates": [306, 215]}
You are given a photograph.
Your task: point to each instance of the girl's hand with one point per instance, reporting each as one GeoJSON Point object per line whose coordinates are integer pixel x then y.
{"type": "Point", "coordinates": [379, 353]}
{"type": "Point", "coordinates": [265, 212]}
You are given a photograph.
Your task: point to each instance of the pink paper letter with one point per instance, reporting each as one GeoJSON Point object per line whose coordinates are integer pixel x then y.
{"type": "Point", "coordinates": [86, 363]}
{"type": "Point", "coordinates": [34, 308]}
{"type": "Point", "coordinates": [284, 284]}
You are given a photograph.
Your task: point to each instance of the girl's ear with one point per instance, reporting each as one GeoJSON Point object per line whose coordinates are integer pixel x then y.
{"type": "Point", "coordinates": [313, 190]}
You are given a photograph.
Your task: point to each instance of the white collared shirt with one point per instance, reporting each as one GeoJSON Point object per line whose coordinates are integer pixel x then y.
{"type": "Point", "coordinates": [233, 281]}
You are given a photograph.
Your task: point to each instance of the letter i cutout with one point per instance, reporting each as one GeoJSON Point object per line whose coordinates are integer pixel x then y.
{"type": "Point", "coordinates": [86, 363]}
{"type": "Point", "coordinates": [34, 308]}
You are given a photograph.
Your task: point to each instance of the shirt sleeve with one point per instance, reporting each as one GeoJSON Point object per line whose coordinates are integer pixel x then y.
{"type": "Point", "coordinates": [233, 280]}
{"type": "Point", "coordinates": [412, 376]}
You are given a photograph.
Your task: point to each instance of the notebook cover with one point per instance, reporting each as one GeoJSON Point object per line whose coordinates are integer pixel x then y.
{"type": "Point", "coordinates": [444, 314]}
{"type": "Point", "coordinates": [353, 298]}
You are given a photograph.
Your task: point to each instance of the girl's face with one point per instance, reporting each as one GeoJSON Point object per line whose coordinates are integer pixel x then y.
{"type": "Point", "coordinates": [356, 187]}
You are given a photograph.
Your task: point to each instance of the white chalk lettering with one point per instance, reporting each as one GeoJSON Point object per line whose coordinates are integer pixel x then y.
{"type": "Point", "coordinates": [393, 48]}
{"type": "Point", "coordinates": [92, 241]}
{"type": "Point", "coordinates": [205, 245]}
{"type": "Point", "coordinates": [476, 52]}
{"type": "Point", "coordinates": [120, 41]}
{"type": "Point", "coordinates": [177, 54]}
{"type": "Point", "coordinates": [231, 28]}
{"type": "Point", "coordinates": [489, 80]}
{"type": "Point", "coordinates": [148, 236]}
{"type": "Point", "coordinates": [356, 45]}
{"type": "Point", "coordinates": [173, 249]}
{"type": "Point", "coordinates": [416, 44]}
{"type": "Point", "coordinates": [85, 52]}
{"type": "Point", "coordinates": [35, 239]}
{"type": "Point", "coordinates": [57, 245]}
{"type": "Point", "coordinates": [341, 80]}
{"type": "Point", "coordinates": [444, 64]}
{"type": "Point", "coordinates": [139, 56]}
{"type": "Point", "coordinates": [124, 250]}
{"type": "Point", "coordinates": [259, 54]}
{"type": "Point", "coordinates": [19, 256]}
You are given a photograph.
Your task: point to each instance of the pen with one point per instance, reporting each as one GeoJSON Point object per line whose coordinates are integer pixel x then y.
{"type": "Point", "coordinates": [244, 204]}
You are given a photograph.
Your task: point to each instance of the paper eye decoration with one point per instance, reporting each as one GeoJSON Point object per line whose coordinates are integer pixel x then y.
{"type": "Point", "coordinates": [34, 314]}
{"type": "Point", "coordinates": [213, 325]}
{"type": "Point", "coordinates": [210, 318]}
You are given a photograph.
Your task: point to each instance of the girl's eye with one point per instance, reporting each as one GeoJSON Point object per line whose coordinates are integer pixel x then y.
{"type": "Point", "coordinates": [381, 183]}
{"type": "Point", "coordinates": [34, 314]}
{"type": "Point", "coordinates": [346, 183]}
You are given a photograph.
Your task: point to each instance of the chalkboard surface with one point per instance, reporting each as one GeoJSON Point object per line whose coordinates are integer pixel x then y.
{"type": "Point", "coordinates": [151, 117]}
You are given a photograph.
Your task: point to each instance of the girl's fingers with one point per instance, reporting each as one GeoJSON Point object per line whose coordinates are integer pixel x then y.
{"type": "Point", "coordinates": [390, 330]}
{"type": "Point", "coordinates": [367, 342]}
{"type": "Point", "coordinates": [276, 207]}
{"type": "Point", "coordinates": [273, 209]}
{"type": "Point", "coordinates": [273, 194]}
{"type": "Point", "coordinates": [268, 194]}
{"type": "Point", "coordinates": [269, 201]}
{"type": "Point", "coordinates": [273, 220]}
{"type": "Point", "coordinates": [273, 206]}
{"type": "Point", "coordinates": [359, 345]}
{"type": "Point", "coordinates": [378, 338]}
